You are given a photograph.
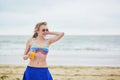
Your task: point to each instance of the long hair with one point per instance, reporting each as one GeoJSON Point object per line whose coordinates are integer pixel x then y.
{"type": "Point", "coordinates": [37, 27]}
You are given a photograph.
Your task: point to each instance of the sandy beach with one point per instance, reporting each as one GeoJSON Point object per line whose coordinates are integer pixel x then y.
{"type": "Point", "coordinates": [15, 72]}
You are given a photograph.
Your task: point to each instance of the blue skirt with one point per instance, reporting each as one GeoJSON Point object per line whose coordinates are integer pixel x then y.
{"type": "Point", "coordinates": [37, 73]}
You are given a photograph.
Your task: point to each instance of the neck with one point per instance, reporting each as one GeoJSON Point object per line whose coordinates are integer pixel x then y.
{"type": "Point", "coordinates": [41, 38]}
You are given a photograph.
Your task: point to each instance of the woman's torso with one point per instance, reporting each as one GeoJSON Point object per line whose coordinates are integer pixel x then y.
{"type": "Point", "coordinates": [40, 56]}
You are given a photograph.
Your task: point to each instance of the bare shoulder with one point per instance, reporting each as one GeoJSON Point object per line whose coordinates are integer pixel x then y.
{"type": "Point", "coordinates": [29, 41]}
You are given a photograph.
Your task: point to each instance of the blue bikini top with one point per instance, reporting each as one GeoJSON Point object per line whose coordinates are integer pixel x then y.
{"type": "Point", "coordinates": [36, 49]}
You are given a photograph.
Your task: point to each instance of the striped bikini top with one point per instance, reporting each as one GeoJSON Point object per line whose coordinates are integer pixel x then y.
{"type": "Point", "coordinates": [36, 49]}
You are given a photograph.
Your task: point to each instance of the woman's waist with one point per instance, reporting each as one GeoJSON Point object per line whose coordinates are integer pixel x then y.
{"type": "Point", "coordinates": [37, 60]}
{"type": "Point", "coordinates": [37, 64]}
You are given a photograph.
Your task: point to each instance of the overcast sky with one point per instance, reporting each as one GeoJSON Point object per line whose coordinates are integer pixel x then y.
{"type": "Point", "coordinates": [74, 17]}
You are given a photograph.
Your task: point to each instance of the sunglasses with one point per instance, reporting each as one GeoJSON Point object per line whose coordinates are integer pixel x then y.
{"type": "Point", "coordinates": [43, 30]}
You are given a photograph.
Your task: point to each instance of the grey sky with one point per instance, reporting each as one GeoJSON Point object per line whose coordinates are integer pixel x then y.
{"type": "Point", "coordinates": [70, 16]}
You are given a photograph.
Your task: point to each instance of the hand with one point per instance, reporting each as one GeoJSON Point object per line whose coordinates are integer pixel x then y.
{"type": "Point", "coordinates": [25, 57]}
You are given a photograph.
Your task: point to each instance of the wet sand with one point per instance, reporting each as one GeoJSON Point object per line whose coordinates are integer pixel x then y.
{"type": "Point", "coordinates": [15, 72]}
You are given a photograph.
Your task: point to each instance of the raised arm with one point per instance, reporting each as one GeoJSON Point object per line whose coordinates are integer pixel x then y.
{"type": "Point", "coordinates": [58, 36]}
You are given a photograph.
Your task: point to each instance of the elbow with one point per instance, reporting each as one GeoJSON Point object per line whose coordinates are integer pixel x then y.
{"type": "Point", "coordinates": [62, 33]}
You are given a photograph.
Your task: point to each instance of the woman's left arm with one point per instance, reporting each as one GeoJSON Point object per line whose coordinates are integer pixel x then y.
{"type": "Point", "coordinates": [58, 36]}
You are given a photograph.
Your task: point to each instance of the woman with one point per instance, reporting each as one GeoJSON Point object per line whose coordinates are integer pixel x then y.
{"type": "Point", "coordinates": [37, 51]}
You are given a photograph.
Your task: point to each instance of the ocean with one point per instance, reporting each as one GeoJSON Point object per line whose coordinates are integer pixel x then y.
{"type": "Point", "coordinates": [69, 50]}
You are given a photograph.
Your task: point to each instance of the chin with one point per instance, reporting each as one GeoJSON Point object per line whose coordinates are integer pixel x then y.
{"type": "Point", "coordinates": [44, 35]}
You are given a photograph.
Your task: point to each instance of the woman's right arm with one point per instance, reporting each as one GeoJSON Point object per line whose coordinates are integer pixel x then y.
{"type": "Point", "coordinates": [26, 55]}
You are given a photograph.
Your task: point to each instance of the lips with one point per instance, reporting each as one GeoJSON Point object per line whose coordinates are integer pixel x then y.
{"type": "Point", "coordinates": [44, 33]}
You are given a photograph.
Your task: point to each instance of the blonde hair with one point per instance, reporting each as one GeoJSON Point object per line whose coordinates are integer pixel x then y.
{"type": "Point", "coordinates": [37, 27]}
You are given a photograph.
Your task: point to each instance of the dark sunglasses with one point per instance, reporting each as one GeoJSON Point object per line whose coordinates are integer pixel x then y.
{"type": "Point", "coordinates": [43, 30]}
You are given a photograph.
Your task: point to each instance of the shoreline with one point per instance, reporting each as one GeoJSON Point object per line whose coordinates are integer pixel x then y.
{"type": "Point", "coordinates": [72, 60]}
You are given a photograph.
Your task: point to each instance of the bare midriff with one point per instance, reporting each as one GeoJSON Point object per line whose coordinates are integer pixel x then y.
{"type": "Point", "coordinates": [39, 60]}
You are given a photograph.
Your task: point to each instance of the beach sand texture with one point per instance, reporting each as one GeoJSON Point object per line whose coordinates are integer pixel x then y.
{"type": "Point", "coordinates": [15, 72]}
